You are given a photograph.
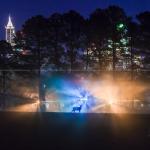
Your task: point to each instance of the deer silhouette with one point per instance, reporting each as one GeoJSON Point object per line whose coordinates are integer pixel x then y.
{"type": "Point", "coordinates": [74, 109]}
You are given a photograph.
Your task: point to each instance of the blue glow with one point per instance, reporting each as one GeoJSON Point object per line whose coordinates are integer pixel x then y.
{"type": "Point", "coordinates": [68, 91]}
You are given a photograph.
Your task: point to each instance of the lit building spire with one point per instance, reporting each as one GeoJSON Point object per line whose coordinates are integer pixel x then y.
{"type": "Point", "coordinates": [10, 25]}
{"type": "Point", "coordinates": [10, 31]}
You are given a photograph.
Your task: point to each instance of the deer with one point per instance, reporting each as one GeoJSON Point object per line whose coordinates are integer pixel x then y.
{"type": "Point", "coordinates": [74, 109]}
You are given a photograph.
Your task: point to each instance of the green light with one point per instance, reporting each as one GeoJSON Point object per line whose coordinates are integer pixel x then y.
{"type": "Point", "coordinates": [120, 26]}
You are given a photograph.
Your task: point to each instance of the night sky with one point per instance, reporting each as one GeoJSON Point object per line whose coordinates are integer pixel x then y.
{"type": "Point", "coordinates": [21, 10]}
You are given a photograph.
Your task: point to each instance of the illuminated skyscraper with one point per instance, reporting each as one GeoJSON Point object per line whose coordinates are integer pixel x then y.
{"type": "Point", "coordinates": [10, 32]}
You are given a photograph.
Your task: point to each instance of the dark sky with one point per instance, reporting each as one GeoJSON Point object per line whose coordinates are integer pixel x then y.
{"type": "Point", "coordinates": [20, 10]}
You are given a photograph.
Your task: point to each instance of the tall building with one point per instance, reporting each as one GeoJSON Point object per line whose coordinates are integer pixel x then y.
{"type": "Point", "coordinates": [10, 32]}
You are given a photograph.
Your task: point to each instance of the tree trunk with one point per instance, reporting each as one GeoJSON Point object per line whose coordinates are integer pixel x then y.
{"type": "Point", "coordinates": [87, 60]}
{"type": "Point", "coordinates": [39, 73]}
{"type": "Point", "coordinates": [114, 60]}
{"type": "Point", "coordinates": [132, 56]}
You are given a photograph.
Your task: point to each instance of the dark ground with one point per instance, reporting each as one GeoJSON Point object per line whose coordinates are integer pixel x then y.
{"type": "Point", "coordinates": [74, 131]}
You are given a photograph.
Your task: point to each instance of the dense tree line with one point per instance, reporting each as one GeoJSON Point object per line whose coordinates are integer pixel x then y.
{"type": "Point", "coordinates": [70, 41]}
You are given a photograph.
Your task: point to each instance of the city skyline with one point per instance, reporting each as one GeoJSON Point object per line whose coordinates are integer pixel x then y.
{"type": "Point", "coordinates": [25, 9]}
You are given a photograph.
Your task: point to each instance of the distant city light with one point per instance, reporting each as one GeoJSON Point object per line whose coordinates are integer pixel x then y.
{"type": "Point", "coordinates": [120, 26]}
